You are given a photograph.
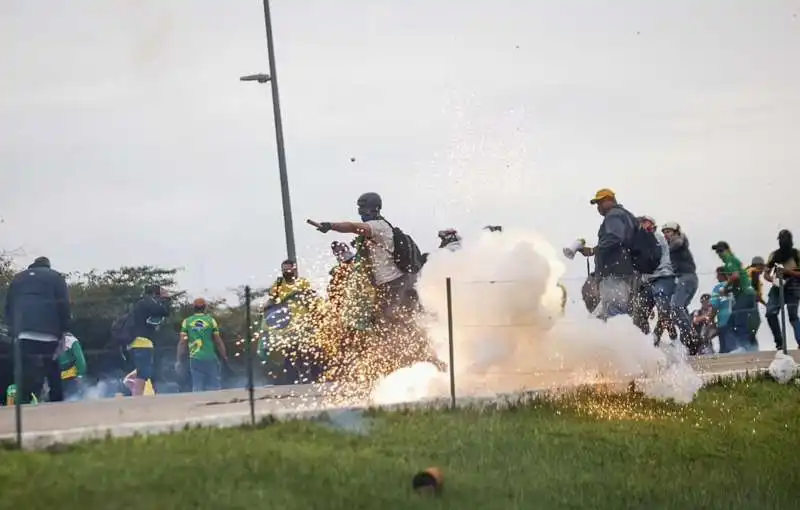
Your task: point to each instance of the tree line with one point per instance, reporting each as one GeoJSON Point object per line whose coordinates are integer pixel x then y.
{"type": "Point", "coordinates": [98, 298]}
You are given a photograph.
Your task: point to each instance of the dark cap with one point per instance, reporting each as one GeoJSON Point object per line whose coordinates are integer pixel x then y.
{"type": "Point", "coordinates": [41, 262]}
{"type": "Point", "coordinates": [785, 233]}
{"type": "Point", "coordinates": [721, 246]}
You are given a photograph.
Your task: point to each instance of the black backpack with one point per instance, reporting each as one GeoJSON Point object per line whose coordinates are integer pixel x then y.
{"type": "Point", "coordinates": [407, 255]}
{"type": "Point", "coordinates": [645, 250]}
{"type": "Point", "coordinates": [122, 330]}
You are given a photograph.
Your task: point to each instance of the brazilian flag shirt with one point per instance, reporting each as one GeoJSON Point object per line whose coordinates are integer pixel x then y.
{"type": "Point", "coordinates": [200, 328]}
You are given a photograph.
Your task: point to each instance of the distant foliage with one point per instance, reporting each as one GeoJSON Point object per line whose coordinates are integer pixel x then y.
{"type": "Point", "coordinates": [6, 275]}
{"type": "Point", "coordinates": [98, 298]}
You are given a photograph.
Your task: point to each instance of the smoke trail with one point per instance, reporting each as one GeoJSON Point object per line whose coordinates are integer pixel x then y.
{"type": "Point", "coordinates": [509, 333]}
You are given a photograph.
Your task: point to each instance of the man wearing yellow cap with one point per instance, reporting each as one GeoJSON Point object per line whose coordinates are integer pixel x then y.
{"type": "Point", "coordinates": [612, 255]}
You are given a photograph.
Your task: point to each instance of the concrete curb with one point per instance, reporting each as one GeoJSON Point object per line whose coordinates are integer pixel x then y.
{"type": "Point", "coordinates": [498, 402]}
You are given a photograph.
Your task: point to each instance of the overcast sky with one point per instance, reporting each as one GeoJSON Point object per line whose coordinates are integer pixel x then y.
{"type": "Point", "coordinates": [126, 137]}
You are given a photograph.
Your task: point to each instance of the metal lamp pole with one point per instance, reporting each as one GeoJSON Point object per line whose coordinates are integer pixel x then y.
{"type": "Point", "coordinates": [272, 78]}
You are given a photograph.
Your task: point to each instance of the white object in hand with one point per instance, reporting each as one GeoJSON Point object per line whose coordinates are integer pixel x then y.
{"type": "Point", "coordinates": [572, 249]}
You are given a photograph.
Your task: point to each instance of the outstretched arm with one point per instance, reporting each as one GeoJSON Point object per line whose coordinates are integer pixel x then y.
{"type": "Point", "coordinates": [346, 227]}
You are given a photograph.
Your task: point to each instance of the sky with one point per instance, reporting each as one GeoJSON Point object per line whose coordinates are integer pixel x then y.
{"type": "Point", "coordinates": [127, 139]}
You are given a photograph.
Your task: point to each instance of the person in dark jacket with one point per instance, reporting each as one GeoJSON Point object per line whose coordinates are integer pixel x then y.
{"type": "Point", "coordinates": [686, 282]}
{"type": "Point", "coordinates": [612, 257]}
{"type": "Point", "coordinates": [38, 316]}
{"type": "Point", "coordinates": [783, 263]}
{"type": "Point", "coordinates": [149, 313]}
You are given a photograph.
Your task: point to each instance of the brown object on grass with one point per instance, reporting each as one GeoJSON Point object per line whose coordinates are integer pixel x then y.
{"type": "Point", "coordinates": [429, 480]}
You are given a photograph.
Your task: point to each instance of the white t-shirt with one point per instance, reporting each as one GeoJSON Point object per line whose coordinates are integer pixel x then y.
{"type": "Point", "coordinates": [381, 248]}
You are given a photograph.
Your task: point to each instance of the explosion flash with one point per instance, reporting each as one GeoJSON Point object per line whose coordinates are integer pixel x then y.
{"type": "Point", "coordinates": [509, 336]}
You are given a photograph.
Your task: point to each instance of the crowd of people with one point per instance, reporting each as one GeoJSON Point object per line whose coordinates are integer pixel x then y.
{"type": "Point", "coordinates": [51, 361]}
{"type": "Point", "coordinates": [646, 272]}
{"type": "Point", "coordinates": [365, 326]}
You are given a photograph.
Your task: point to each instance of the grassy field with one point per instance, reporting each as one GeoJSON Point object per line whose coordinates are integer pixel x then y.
{"type": "Point", "coordinates": [737, 446]}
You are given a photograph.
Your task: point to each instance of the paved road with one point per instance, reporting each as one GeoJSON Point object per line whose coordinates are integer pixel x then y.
{"type": "Point", "coordinates": [73, 420]}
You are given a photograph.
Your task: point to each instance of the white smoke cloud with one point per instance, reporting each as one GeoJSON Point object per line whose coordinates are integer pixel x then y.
{"type": "Point", "coordinates": [509, 334]}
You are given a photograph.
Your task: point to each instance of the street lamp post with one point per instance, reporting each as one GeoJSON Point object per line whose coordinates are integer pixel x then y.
{"type": "Point", "coordinates": [272, 78]}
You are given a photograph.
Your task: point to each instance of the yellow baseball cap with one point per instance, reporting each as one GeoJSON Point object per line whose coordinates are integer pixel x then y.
{"type": "Point", "coordinates": [603, 194]}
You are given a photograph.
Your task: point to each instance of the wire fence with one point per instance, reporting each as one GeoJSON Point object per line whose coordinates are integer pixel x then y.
{"type": "Point", "coordinates": [533, 301]}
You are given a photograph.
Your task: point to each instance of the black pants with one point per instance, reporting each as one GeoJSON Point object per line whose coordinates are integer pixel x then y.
{"type": "Point", "coordinates": [791, 299]}
{"type": "Point", "coordinates": [37, 365]}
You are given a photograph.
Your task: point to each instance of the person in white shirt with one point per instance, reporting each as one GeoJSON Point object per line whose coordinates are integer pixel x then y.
{"type": "Point", "coordinates": [395, 288]}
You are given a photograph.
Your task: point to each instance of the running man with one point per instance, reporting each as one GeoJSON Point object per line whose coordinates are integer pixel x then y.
{"type": "Point", "coordinates": [200, 336]}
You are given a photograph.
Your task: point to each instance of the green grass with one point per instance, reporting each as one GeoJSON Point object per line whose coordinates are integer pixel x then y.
{"type": "Point", "coordinates": [737, 446]}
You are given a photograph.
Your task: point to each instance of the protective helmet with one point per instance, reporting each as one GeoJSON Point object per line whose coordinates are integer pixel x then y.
{"type": "Point", "coordinates": [671, 225]}
{"type": "Point", "coordinates": [370, 201]}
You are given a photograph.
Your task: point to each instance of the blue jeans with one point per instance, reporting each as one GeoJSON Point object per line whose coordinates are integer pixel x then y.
{"type": "Point", "coordinates": [662, 290]}
{"type": "Point", "coordinates": [72, 389]}
{"type": "Point", "coordinates": [685, 288]}
{"type": "Point", "coordinates": [143, 362]}
{"type": "Point", "coordinates": [206, 374]}
{"type": "Point", "coordinates": [740, 332]}
{"type": "Point", "coordinates": [725, 346]}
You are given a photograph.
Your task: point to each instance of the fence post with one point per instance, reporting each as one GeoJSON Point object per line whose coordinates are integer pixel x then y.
{"type": "Point", "coordinates": [249, 357]}
{"type": "Point", "coordinates": [782, 302]}
{"type": "Point", "coordinates": [19, 393]}
{"type": "Point", "coordinates": [451, 364]}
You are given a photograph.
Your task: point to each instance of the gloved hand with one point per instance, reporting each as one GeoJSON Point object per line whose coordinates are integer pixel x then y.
{"type": "Point", "coordinates": [324, 227]}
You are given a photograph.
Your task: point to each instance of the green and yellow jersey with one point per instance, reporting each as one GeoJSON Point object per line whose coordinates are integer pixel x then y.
{"type": "Point", "coordinates": [200, 329]}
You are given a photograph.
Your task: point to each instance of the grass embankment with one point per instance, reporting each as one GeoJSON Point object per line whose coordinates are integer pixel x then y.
{"type": "Point", "coordinates": [737, 446]}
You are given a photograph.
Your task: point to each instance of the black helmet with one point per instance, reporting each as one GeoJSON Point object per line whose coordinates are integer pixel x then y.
{"type": "Point", "coordinates": [370, 201]}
